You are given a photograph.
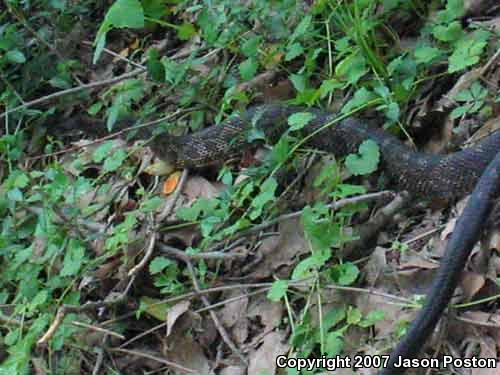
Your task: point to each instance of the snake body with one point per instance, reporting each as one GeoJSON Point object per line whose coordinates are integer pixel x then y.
{"type": "Point", "coordinates": [433, 176]}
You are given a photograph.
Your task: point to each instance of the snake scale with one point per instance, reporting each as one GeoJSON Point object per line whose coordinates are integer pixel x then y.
{"type": "Point", "coordinates": [433, 176]}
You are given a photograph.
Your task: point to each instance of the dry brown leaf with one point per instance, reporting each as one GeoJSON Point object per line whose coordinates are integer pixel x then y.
{"type": "Point", "coordinates": [488, 350]}
{"type": "Point", "coordinates": [233, 370]}
{"type": "Point", "coordinates": [282, 250]}
{"type": "Point", "coordinates": [183, 350]}
{"type": "Point", "coordinates": [270, 313]}
{"type": "Point", "coordinates": [234, 315]}
{"type": "Point", "coordinates": [196, 187]}
{"type": "Point", "coordinates": [471, 283]}
{"type": "Point", "coordinates": [171, 183]}
{"type": "Point", "coordinates": [489, 127]}
{"type": "Point", "coordinates": [174, 313]}
{"type": "Point", "coordinates": [375, 265]}
{"type": "Point", "coordinates": [263, 360]}
{"type": "Point", "coordinates": [493, 241]}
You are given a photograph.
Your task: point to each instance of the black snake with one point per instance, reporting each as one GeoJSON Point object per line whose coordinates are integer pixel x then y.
{"type": "Point", "coordinates": [433, 176]}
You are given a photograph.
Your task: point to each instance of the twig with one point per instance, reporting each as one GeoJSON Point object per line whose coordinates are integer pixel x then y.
{"type": "Point", "coordinates": [142, 334]}
{"type": "Point", "coordinates": [99, 329]}
{"type": "Point", "coordinates": [232, 299]}
{"type": "Point", "coordinates": [8, 321]}
{"type": "Point", "coordinates": [152, 357]}
{"type": "Point", "coordinates": [117, 55]}
{"type": "Point", "coordinates": [147, 255]}
{"type": "Point", "coordinates": [89, 306]}
{"type": "Point", "coordinates": [490, 62]}
{"type": "Point", "coordinates": [214, 255]}
{"type": "Point", "coordinates": [215, 319]}
{"type": "Point", "coordinates": [72, 91]}
{"type": "Point", "coordinates": [297, 283]}
{"type": "Point", "coordinates": [477, 323]}
{"type": "Point", "coordinates": [98, 362]}
{"type": "Point", "coordinates": [334, 206]}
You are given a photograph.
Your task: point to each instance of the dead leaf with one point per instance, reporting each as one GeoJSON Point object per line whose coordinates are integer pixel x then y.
{"type": "Point", "coordinates": [489, 127]}
{"type": "Point", "coordinates": [375, 265]}
{"type": "Point", "coordinates": [174, 313]}
{"type": "Point", "coordinates": [183, 350]}
{"type": "Point", "coordinates": [263, 360]}
{"type": "Point", "coordinates": [199, 187]}
{"type": "Point", "coordinates": [233, 370]}
{"type": "Point", "coordinates": [282, 250]}
{"type": "Point", "coordinates": [270, 313]}
{"type": "Point", "coordinates": [171, 183]}
{"type": "Point", "coordinates": [234, 315]}
{"type": "Point", "coordinates": [471, 283]}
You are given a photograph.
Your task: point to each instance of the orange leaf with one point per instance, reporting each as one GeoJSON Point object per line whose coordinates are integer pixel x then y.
{"type": "Point", "coordinates": [171, 183]}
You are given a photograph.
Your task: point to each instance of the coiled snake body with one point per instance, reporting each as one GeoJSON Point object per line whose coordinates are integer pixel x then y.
{"type": "Point", "coordinates": [433, 176]}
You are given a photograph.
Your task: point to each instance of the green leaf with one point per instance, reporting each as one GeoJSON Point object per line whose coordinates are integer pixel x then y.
{"type": "Point", "coordinates": [360, 98]}
{"type": "Point", "coordinates": [281, 150]}
{"type": "Point", "coordinates": [266, 194]}
{"type": "Point", "coordinates": [300, 119]}
{"type": "Point", "coordinates": [158, 264]}
{"type": "Point", "coordinates": [329, 86]}
{"type": "Point", "coordinates": [250, 47]}
{"type": "Point", "coordinates": [448, 33]}
{"type": "Point", "coordinates": [154, 307]}
{"type": "Point", "coordinates": [21, 180]}
{"type": "Point", "coordinates": [155, 67]}
{"type": "Point", "coordinates": [352, 68]}
{"type": "Point", "coordinates": [114, 161]}
{"type": "Point", "coordinates": [102, 151]}
{"type": "Point", "coordinates": [299, 82]}
{"type": "Point", "coordinates": [59, 83]}
{"type": "Point", "coordinates": [459, 112]}
{"type": "Point", "coordinates": [390, 4]}
{"type": "Point", "coordinates": [208, 224]}
{"type": "Point", "coordinates": [278, 290]}
{"type": "Point", "coordinates": [467, 52]}
{"type": "Point", "coordinates": [366, 161]}
{"type": "Point", "coordinates": [353, 316]}
{"type": "Point", "coordinates": [307, 267]}
{"type": "Point", "coordinates": [301, 28]}
{"type": "Point", "coordinates": [151, 204]}
{"type": "Point", "coordinates": [293, 51]}
{"type": "Point", "coordinates": [344, 274]}
{"type": "Point", "coordinates": [15, 56]}
{"type": "Point", "coordinates": [186, 31]}
{"type": "Point", "coordinates": [334, 317]}
{"type": "Point", "coordinates": [346, 190]}
{"type": "Point", "coordinates": [125, 13]}
{"type": "Point", "coordinates": [15, 195]}
{"type": "Point", "coordinates": [373, 317]}
{"type": "Point", "coordinates": [424, 54]}
{"type": "Point", "coordinates": [95, 108]}
{"type": "Point", "coordinates": [454, 9]}
{"type": "Point", "coordinates": [73, 259]}
{"type": "Point", "coordinates": [248, 68]}
{"type": "Point", "coordinates": [334, 344]}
